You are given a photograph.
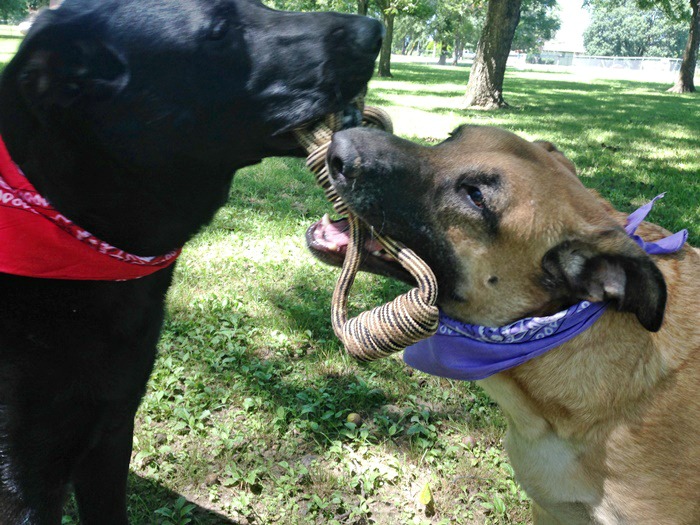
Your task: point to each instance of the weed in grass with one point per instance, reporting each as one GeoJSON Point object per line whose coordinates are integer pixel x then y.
{"type": "Point", "coordinates": [178, 514]}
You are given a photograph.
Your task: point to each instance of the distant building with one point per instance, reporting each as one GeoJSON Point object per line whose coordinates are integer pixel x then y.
{"type": "Point", "coordinates": [560, 52]}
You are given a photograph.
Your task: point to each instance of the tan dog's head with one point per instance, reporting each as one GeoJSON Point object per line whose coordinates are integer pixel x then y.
{"type": "Point", "coordinates": [506, 224]}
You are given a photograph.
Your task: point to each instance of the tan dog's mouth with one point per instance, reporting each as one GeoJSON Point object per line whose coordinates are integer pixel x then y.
{"type": "Point", "coordinates": [328, 241]}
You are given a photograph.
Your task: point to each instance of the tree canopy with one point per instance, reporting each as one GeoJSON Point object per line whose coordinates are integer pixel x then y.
{"type": "Point", "coordinates": [539, 22]}
{"type": "Point", "coordinates": [627, 30]}
{"type": "Point", "coordinates": [681, 10]}
{"type": "Point", "coordinates": [15, 10]}
{"type": "Point", "coordinates": [344, 6]}
{"type": "Point", "coordinates": [457, 24]}
{"type": "Point", "coordinates": [389, 9]}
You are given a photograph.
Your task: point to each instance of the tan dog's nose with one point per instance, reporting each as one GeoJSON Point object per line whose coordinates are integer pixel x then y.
{"type": "Point", "coordinates": [343, 158]}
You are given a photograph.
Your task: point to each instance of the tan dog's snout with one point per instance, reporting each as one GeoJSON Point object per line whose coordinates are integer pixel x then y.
{"type": "Point", "coordinates": [369, 153]}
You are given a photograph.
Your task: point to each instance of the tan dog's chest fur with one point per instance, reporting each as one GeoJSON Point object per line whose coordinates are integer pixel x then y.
{"type": "Point", "coordinates": [606, 428]}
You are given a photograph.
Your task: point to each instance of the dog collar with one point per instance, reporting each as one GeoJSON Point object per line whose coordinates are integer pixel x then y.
{"type": "Point", "coordinates": [470, 352]}
{"type": "Point", "coordinates": [37, 241]}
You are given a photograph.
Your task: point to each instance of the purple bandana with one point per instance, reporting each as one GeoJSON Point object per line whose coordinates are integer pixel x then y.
{"type": "Point", "coordinates": [470, 352]}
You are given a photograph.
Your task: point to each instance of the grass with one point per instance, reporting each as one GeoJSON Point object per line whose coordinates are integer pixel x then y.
{"type": "Point", "coordinates": [246, 416]}
{"type": "Point", "coordinates": [10, 39]}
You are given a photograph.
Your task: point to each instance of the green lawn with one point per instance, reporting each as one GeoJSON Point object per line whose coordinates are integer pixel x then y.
{"type": "Point", "coordinates": [246, 413]}
{"type": "Point", "coordinates": [10, 39]}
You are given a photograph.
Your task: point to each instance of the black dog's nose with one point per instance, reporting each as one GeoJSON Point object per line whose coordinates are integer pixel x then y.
{"type": "Point", "coordinates": [343, 158]}
{"type": "Point", "coordinates": [369, 34]}
{"type": "Point", "coordinates": [360, 34]}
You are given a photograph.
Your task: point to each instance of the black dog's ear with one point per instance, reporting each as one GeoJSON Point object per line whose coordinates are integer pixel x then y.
{"type": "Point", "coordinates": [625, 275]}
{"type": "Point", "coordinates": [61, 68]}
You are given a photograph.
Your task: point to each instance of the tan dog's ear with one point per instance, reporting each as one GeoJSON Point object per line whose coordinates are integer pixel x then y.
{"type": "Point", "coordinates": [579, 270]}
{"type": "Point", "coordinates": [558, 155]}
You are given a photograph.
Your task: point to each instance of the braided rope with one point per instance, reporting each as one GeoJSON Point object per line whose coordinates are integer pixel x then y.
{"type": "Point", "coordinates": [395, 325]}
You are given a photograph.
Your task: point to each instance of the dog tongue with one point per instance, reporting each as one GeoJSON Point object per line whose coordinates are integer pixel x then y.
{"type": "Point", "coordinates": [334, 232]}
{"type": "Point", "coordinates": [334, 236]}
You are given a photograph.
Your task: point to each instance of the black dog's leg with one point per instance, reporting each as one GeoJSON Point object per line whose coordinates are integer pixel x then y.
{"type": "Point", "coordinates": [15, 510]}
{"type": "Point", "coordinates": [101, 478]}
{"type": "Point", "coordinates": [33, 479]}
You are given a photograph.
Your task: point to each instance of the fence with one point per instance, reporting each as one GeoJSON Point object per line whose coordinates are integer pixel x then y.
{"type": "Point", "coordinates": [663, 69]}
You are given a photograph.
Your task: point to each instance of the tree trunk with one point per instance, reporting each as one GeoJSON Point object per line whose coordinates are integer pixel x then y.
{"type": "Point", "coordinates": [362, 7]}
{"type": "Point", "coordinates": [443, 54]}
{"type": "Point", "coordinates": [686, 82]}
{"type": "Point", "coordinates": [485, 86]}
{"type": "Point", "coordinates": [458, 52]}
{"type": "Point", "coordinates": [385, 54]}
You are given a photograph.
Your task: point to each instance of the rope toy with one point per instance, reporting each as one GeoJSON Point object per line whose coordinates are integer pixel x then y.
{"type": "Point", "coordinates": [407, 319]}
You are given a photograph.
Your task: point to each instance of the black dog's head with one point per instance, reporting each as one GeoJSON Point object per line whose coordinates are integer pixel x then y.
{"type": "Point", "coordinates": [193, 74]}
{"type": "Point", "coordinates": [506, 225]}
{"type": "Point", "coordinates": [123, 99]}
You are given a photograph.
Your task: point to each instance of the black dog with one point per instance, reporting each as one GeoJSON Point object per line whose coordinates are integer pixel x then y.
{"type": "Point", "coordinates": [130, 117]}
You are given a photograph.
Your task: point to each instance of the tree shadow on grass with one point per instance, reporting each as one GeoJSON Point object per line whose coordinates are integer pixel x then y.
{"type": "Point", "coordinates": [146, 496]}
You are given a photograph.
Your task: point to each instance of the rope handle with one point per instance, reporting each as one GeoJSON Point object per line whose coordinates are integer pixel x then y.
{"type": "Point", "coordinates": [395, 325]}
{"type": "Point", "coordinates": [407, 319]}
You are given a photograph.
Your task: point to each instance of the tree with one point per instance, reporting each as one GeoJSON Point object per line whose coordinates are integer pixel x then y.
{"type": "Point", "coordinates": [456, 24]}
{"type": "Point", "coordinates": [411, 35]}
{"type": "Point", "coordinates": [485, 86]}
{"type": "Point", "coordinates": [389, 9]}
{"type": "Point", "coordinates": [343, 6]}
{"type": "Point", "coordinates": [14, 10]}
{"type": "Point", "coordinates": [388, 16]}
{"type": "Point", "coordinates": [539, 22]}
{"type": "Point", "coordinates": [686, 82]}
{"type": "Point", "coordinates": [625, 30]}
{"type": "Point", "coordinates": [678, 10]}
{"type": "Point", "coordinates": [9, 9]}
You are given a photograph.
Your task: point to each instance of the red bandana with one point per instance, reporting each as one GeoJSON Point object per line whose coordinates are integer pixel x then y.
{"type": "Point", "coordinates": [37, 241]}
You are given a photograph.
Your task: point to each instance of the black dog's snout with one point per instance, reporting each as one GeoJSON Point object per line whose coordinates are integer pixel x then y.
{"type": "Point", "coordinates": [343, 159]}
{"type": "Point", "coordinates": [370, 34]}
{"type": "Point", "coordinates": [360, 34]}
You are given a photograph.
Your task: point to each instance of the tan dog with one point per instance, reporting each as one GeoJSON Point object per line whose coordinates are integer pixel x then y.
{"type": "Point", "coordinates": [605, 428]}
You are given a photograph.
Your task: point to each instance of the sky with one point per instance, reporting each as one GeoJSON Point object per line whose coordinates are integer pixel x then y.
{"type": "Point", "coordinates": [574, 21]}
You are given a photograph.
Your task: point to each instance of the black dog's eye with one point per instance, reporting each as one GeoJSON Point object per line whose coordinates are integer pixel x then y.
{"type": "Point", "coordinates": [475, 196]}
{"type": "Point", "coordinates": [219, 29]}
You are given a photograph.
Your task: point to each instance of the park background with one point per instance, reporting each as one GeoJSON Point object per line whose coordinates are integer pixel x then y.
{"type": "Point", "coordinates": [246, 416]}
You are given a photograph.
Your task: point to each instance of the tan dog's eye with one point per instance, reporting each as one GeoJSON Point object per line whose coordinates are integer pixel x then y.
{"type": "Point", "coordinates": [475, 196]}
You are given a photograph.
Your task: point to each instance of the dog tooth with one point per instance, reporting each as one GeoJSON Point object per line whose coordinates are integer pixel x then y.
{"type": "Point", "coordinates": [326, 220]}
